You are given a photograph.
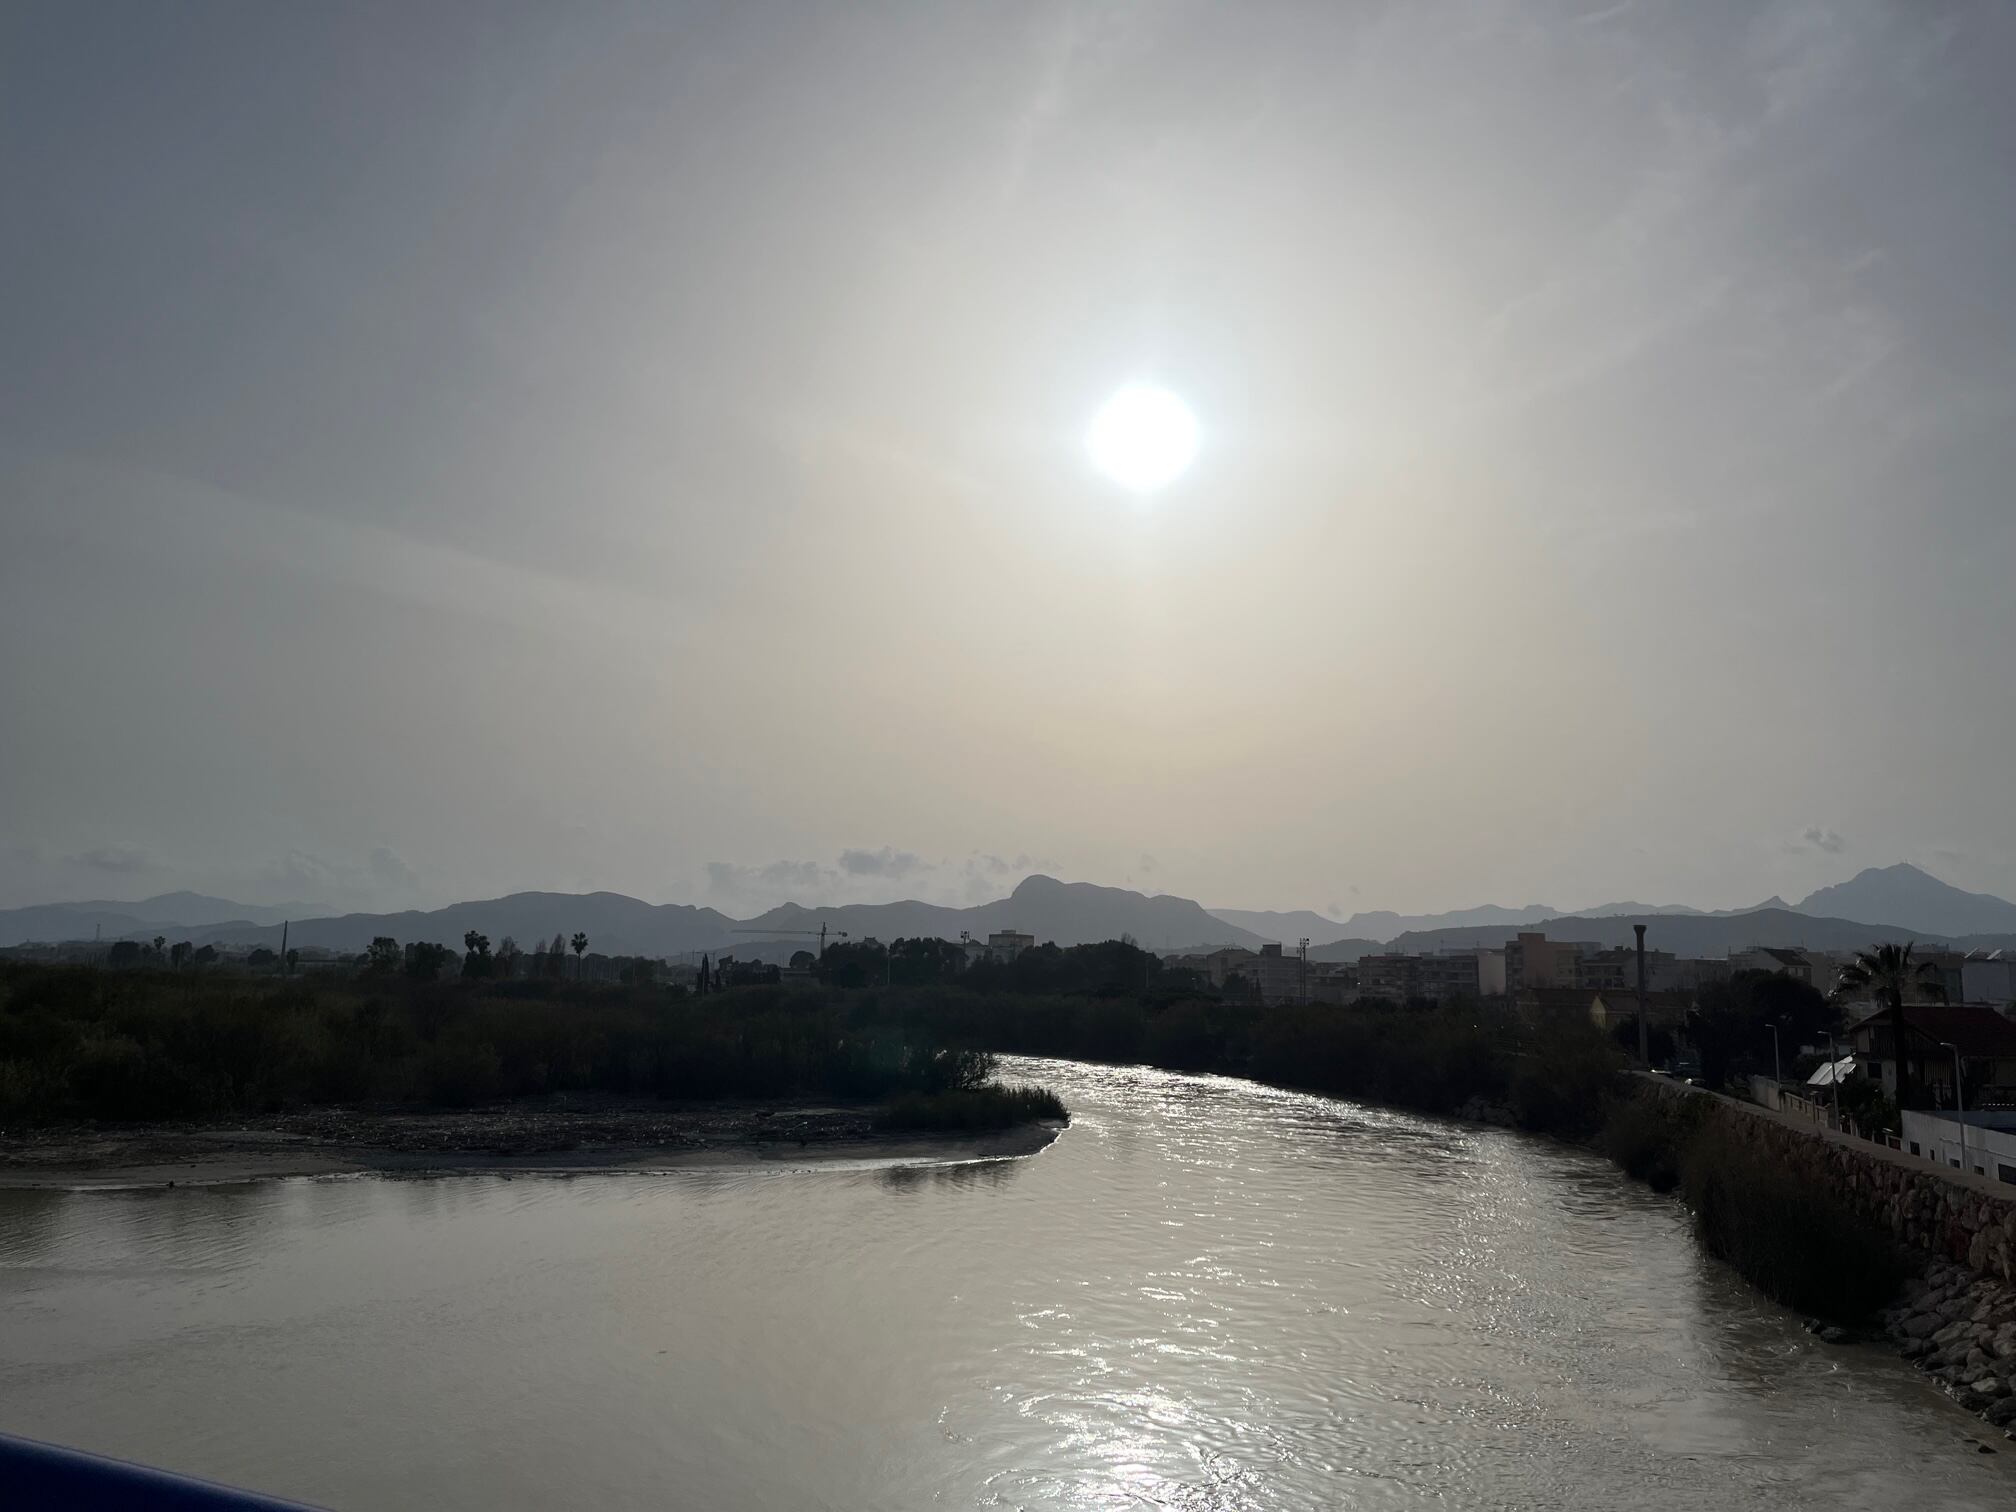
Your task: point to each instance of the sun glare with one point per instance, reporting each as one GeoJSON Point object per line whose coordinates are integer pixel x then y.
{"type": "Point", "coordinates": [1142, 438]}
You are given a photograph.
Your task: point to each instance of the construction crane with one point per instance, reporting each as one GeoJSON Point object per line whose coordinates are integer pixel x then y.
{"type": "Point", "coordinates": [799, 934]}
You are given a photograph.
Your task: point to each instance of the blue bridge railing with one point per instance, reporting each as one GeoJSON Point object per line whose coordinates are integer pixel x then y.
{"type": "Point", "coordinates": [35, 1475]}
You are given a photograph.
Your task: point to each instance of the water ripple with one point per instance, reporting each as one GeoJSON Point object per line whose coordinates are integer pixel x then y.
{"type": "Point", "coordinates": [1205, 1295]}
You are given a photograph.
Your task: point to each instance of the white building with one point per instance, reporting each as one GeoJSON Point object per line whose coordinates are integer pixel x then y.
{"type": "Point", "coordinates": [1990, 1141]}
{"type": "Point", "coordinates": [1005, 944]}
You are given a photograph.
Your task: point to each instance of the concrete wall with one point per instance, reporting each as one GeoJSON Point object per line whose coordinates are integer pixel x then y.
{"type": "Point", "coordinates": [1932, 1208]}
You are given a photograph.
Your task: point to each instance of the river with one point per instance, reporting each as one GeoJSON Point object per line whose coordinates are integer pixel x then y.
{"type": "Point", "coordinates": [1206, 1294]}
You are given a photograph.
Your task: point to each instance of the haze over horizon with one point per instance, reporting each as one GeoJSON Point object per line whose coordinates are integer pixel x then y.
{"type": "Point", "coordinates": [447, 454]}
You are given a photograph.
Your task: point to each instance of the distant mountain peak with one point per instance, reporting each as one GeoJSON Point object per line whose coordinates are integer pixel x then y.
{"type": "Point", "coordinates": [1911, 896]}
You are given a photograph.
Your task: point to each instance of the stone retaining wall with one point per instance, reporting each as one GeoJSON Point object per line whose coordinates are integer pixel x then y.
{"type": "Point", "coordinates": [1948, 1214]}
{"type": "Point", "coordinates": [1957, 1319]}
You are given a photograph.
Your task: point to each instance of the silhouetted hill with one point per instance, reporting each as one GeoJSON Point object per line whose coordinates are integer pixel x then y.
{"type": "Point", "coordinates": [1907, 895]}
{"type": "Point", "coordinates": [1381, 924]}
{"type": "Point", "coordinates": [182, 911]}
{"type": "Point", "coordinates": [1639, 910]}
{"type": "Point", "coordinates": [1068, 913]}
{"type": "Point", "coordinates": [615, 925]}
{"type": "Point", "coordinates": [50, 922]}
{"type": "Point", "coordinates": [1081, 913]}
{"type": "Point", "coordinates": [1349, 949]}
{"type": "Point", "coordinates": [1301, 924]}
{"type": "Point", "coordinates": [862, 921]}
{"type": "Point", "coordinates": [1685, 934]}
{"type": "Point", "coordinates": [192, 908]}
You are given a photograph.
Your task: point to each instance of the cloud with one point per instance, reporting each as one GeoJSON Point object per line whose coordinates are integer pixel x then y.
{"type": "Point", "coordinates": [1830, 841]}
{"type": "Point", "coordinates": [121, 860]}
{"type": "Point", "coordinates": [887, 862]}
{"type": "Point", "coordinates": [863, 875]}
{"type": "Point", "coordinates": [164, 515]}
{"type": "Point", "coordinates": [773, 882]}
{"type": "Point", "coordinates": [1045, 103]}
{"type": "Point", "coordinates": [298, 875]}
{"type": "Point", "coordinates": [389, 870]}
{"type": "Point", "coordinates": [382, 881]}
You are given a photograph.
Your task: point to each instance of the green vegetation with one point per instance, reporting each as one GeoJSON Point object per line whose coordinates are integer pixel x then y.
{"type": "Point", "coordinates": [1647, 1135]}
{"type": "Point", "coordinates": [150, 1044]}
{"type": "Point", "coordinates": [1790, 1239]}
{"type": "Point", "coordinates": [1794, 1241]}
{"type": "Point", "coordinates": [134, 1046]}
{"type": "Point", "coordinates": [1731, 1023]}
{"type": "Point", "coordinates": [988, 1107]}
{"type": "Point", "coordinates": [1890, 975]}
{"type": "Point", "coordinates": [1434, 1059]}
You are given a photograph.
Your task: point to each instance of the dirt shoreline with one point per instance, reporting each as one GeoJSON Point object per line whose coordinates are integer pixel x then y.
{"type": "Point", "coordinates": [557, 1136]}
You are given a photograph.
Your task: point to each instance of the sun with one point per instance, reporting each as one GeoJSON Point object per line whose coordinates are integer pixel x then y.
{"type": "Point", "coordinates": [1143, 438]}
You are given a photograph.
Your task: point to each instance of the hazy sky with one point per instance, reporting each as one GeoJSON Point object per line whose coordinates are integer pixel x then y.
{"type": "Point", "coordinates": [453, 449]}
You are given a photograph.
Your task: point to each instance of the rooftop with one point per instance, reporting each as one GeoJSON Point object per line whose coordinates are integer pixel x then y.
{"type": "Point", "coordinates": [1975, 1028]}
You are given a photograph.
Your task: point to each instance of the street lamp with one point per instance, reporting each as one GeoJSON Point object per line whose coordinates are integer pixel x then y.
{"type": "Point", "coordinates": [1959, 1104]}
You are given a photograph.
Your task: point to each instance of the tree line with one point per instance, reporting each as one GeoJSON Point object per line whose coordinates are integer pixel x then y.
{"type": "Point", "coordinates": [425, 961]}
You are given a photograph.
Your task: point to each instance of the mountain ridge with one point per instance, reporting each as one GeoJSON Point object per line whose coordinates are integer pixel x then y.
{"type": "Point", "coordinates": [1909, 895]}
{"type": "Point", "coordinates": [1066, 912]}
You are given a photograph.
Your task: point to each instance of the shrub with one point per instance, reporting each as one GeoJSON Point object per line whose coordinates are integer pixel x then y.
{"type": "Point", "coordinates": [1563, 1084]}
{"type": "Point", "coordinates": [461, 1072]}
{"type": "Point", "coordinates": [1792, 1240]}
{"type": "Point", "coordinates": [82, 1043]}
{"type": "Point", "coordinates": [1646, 1133]}
{"type": "Point", "coordinates": [989, 1107]}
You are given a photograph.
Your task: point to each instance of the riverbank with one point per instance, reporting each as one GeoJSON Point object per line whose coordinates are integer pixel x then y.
{"type": "Point", "coordinates": [1815, 1217]}
{"type": "Point", "coordinates": [556, 1134]}
{"type": "Point", "coordinates": [1461, 1317]}
{"type": "Point", "coordinates": [1959, 1327]}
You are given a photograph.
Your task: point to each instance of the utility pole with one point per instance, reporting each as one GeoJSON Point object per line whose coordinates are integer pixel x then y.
{"type": "Point", "coordinates": [283, 947]}
{"type": "Point", "coordinates": [1644, 1031]}
{"type": "Point", "coordinates": [1304, 947]}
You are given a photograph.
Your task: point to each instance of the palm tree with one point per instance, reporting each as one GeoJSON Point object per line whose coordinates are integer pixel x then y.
{"type": "Point", "coordinates": [1888, 974]}
{"type": "Point", "coordinates": [159, 941]}
{"type": "Point", "coordinates": [580, 943]}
